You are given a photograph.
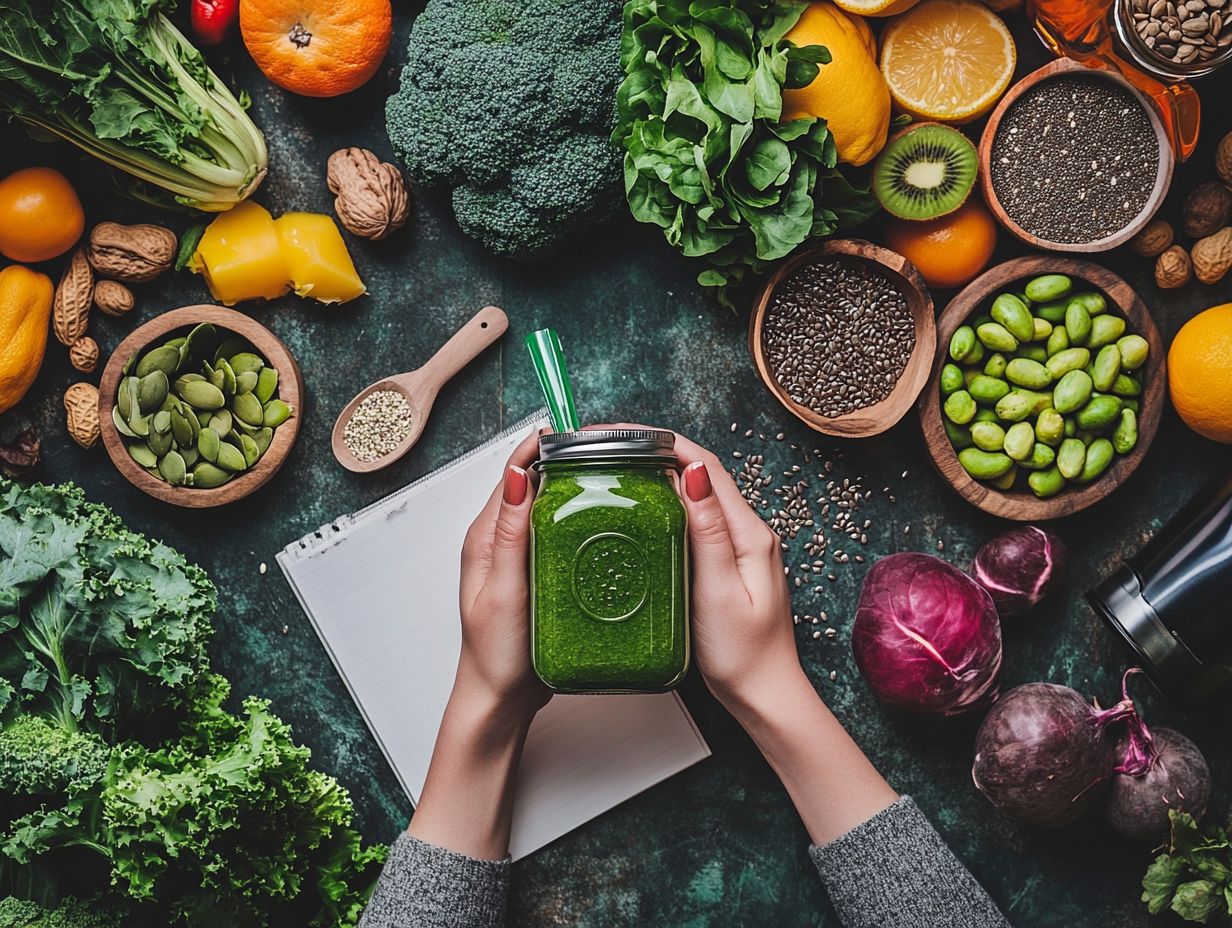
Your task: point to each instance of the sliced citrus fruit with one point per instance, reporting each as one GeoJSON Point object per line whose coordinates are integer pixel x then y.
{"type": "Point", "coordinates": [948, 60]}
{"type": "Point", "coordinates": [875, 7]}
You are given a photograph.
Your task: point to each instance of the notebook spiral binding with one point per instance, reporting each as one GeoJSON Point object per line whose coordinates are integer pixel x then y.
{"type": "Point", "coordinates": [328, 533]}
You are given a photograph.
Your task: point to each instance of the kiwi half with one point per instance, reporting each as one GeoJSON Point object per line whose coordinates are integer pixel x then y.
{"type": "Point", "coordinates": [925, 171]}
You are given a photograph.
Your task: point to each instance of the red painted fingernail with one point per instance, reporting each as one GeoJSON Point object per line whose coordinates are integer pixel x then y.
{"type": "Point", "coordinates": [697, 481]}
{"type": "Point", "coordinates": [515, 485]}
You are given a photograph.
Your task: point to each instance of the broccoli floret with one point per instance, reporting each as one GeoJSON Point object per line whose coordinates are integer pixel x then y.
{"type": "Point", "coordinates": [70, 913]}
{"type": "Point", "coordinates": [39, 757]}
{"type": "Point", "coordinates": [512, 105]}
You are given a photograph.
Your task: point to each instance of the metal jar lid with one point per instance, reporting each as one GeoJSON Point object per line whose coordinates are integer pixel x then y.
{"type": "Point", "coordinates": [607, 444]}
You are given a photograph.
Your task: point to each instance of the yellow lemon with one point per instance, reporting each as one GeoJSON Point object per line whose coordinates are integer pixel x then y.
{"type": "Point", "coordinates": [849, 94]}
{"type": "Point", "coordinates": [876, 7]}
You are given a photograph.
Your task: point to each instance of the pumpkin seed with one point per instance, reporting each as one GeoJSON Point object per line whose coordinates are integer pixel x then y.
{"type": "Point", "coordinates": [161, 423]}
{"type": "Point", "coordinates": [230, 346]}
{"type": "Point", "coordinates": [206, 476]}
{"type": "Point", "coordinates": [249, 449]}
{"type": "Point", "coordinates": [173, 469]}
{"type": "Point", "coordinates": [222, 421]}
{"type": "Point", "coordinates": [203, 416]}
{"type": "Point", "coordinates": [124, 397]}
{"type": "Point", "coordinates": [120, 424]}
{"type": "Point", "coordinates": [248, 408]}
{"type": "Point", "coordinates": [140, 425]}
{"type": "Point", "coordinates": [181, 430]}
{"type": "Point", "coordinates": [190, 455]}
{"type": "Point", "coordinates": [159, 442]}
{"type": "Point", "coordinates": [200, 343]}
{"type": "Point", "coordinates": [188, 413]}
{"type": "Point", "coordinates": [246, 362]}
{"type": "Point", "coordinates": [202, 395]}
{"type": "Point", "coordinates": [152, 391]}
{"type": "Point", "coordinates": [218, 379]}
{"type": "Point", "coordinates": [228, 377]}
{"type": "Point", "coordinates": [263, 439]}
{"type": "Point", "coordinates": [207, 443]}
{"type": "Point", "coordinates": [267, 383]}
{"type": "Point", "coordinates": [165, 359]}
{"type": "Point", "coordinates": [230, 457]}
{"type": "Point", "coordinates": [245, 381]}
{"type": "Point", "coordinates": [178, 385]}
{"type": "Point", "coordinates": [141, 454]}
{"type": "Point", "coordinates": [276, 413]}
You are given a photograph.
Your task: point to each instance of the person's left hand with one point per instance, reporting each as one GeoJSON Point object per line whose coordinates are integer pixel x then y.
{"type": "Point", "coordinates": [495, 666]}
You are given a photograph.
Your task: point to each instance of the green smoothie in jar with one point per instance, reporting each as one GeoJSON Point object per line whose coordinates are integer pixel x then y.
{"type": "Point", "coordinates": [609, 570]}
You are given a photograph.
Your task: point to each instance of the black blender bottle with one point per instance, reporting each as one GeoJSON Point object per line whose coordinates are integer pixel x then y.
{"type": "Point", "coordinates": [1172, 602]}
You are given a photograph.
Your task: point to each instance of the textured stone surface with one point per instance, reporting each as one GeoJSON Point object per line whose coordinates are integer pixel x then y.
{"type": "Point", "coordinates": [719, 844]}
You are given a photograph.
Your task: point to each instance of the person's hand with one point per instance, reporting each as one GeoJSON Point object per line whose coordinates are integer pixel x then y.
{"type": "Point", "coordinates": [495, 596]}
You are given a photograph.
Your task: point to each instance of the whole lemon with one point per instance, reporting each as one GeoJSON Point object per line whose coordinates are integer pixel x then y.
{"type": "Point", "coordinates": [849, 94]}
{"type": "Point", "coordinates": [1200, 373]}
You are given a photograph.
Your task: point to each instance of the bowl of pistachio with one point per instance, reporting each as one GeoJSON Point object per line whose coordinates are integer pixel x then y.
{"type": "Point", "coordinates": [199, 406]}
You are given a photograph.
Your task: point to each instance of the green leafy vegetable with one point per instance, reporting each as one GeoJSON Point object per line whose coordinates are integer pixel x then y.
{"type": "Point", "coordinates": [706, 157]}
{"type": "Point", "coordinates": [510, 105]}
{"type": "Point", "coordinates": [118, 80]}
{"type": "Point", "coordinates": [1194, 878]}
{"type": "Point", "coordinates": [71, 913]}
{"type": "Point", "coordinates": [120, 765]}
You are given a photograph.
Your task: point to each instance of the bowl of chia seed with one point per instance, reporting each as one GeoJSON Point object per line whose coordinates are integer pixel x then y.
{"type": "Point", "coordinates": [1074, 159]}
{"type": "Point", "coordinates": [843, 336]}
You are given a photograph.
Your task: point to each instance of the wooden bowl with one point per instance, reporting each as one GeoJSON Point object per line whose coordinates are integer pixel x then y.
{"type": "Point", "coordinates": [290, 389]}
{"type": "Point", "coordinates": [976, 296]}
{"type": "Point", "coordinates": [874, 419]}
{"type": "Point", "coordinates": [1163, 176]}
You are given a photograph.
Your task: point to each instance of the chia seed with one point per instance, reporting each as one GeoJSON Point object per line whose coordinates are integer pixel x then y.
{"type": "Point", "coordinates": [1074, 160]}
{"type": "Point", "coordinates": [837, 336]}
{"type": "Point", "coordinates": [377, 427]}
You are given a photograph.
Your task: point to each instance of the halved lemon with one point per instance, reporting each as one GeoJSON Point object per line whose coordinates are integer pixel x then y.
{"type": "Point", "coordinates": [875, 7]}
{"type": "Point", "coordinates": [947, 60]}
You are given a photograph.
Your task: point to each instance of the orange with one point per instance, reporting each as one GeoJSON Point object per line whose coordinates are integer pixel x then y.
{"type": "Point", "coordinates": [25, 307]}
{"type": "Point", "coordinates": [948, 251]}
{"type": "Point", "coordinates": [1200, 373]}
{"type": "Point", "coordinates": [317, 48]}
{"type": "Point", "coordinates": [40, 215]}
{"type": "Point", "coordinates": [948, 60]}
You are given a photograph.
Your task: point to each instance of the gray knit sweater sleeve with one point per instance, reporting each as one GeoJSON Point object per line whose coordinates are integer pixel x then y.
{"type": "Point", "coordinates": [425, 886]}
{"type": "Point", "coordinates": [894, 871]}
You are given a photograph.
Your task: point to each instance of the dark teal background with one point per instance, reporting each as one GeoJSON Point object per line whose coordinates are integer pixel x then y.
{"type": "Point", "coordinates": [720, 844]}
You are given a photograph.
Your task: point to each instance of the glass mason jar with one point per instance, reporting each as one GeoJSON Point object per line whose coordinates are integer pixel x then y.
{"type": "Point", "coordinates": [609, 568]}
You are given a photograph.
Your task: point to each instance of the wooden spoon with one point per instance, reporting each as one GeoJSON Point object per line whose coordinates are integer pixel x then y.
{"type": "Point", "coordinates": [420, 386]}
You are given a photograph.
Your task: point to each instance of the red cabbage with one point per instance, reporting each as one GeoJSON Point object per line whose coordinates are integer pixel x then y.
{"type": "Point", "coordinates": [1020, 567]}
{"type": "Point", "coordinates": [926, 636]}
{"type": "Point", "coordinates": [1042, 753]}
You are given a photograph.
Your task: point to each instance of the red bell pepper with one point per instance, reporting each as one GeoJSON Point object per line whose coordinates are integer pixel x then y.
{"type": "Point", "coordinates": [213, 19]}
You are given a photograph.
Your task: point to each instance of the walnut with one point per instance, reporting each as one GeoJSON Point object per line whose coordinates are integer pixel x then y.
{"type": "Point", "coordinates": [1153, 240]}
{"type": "Point", "coordinates": [1172, 268]}
{"type": "Point", "coordinates": [83, 354]}
{"type": "Point", "coordinates": [70, 310]}
{"type": "Point", "coordinates": [113, 298]}
{"type": "Point", "coordinates": [1223, 159]}
{"type": "Point", "coordinates": [371, 196]}
{"type": "Point", "coordinates": [133, 254]}
{"type": "Point", "coordinates": [1207, 209]}
{"type": "Point", "coordinates": [1212, 256]}
{"type": "Point", "coordinates": [81, 407]}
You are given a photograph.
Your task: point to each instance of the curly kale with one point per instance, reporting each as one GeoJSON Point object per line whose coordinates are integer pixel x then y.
{"type": "Point", "coordinates": [70, 913]}
{"type": "Point", "coordinates": [39, 757]}
{"type": "Point", "coordinates": [511, 104]}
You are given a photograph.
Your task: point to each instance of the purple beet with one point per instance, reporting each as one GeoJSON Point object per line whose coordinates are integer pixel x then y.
{"type": "Point", "coordinates": [1020, 567]}
{"type": "Point", "coordinates": [1159, 770]}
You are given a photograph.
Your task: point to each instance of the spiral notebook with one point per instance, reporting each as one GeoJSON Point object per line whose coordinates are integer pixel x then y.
{"type": "Point", "coordinates": [380, 587]}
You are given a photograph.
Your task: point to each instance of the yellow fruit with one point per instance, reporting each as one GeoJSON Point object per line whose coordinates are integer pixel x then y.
{"type": "Point", "coordinates": [25, 307]}
{"type": "Point", "coordinates": [241, 257]}
{"type": "Point", "coordinates": [849, 93]}
{"type": "Point", "coordinates": [1200, 373]}
{"type": "Point", "coordinates": [876, 7]}
{"type": "Point", "coordinates": [317, 258]}
{"type": "Point", "coordinates": [948, 60]}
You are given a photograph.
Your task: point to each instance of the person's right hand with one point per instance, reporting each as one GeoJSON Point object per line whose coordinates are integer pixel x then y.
{"type": "Point", "coordinates": [743, 637]}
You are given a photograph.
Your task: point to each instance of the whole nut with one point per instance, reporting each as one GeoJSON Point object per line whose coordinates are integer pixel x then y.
{"type": "Point", "coordinates": [133, 254]}
{"type": "Point", "coordinates": [1212, 256]}
{"type": "Point", "coordinates": [83, 354]}
{"type": "Point", "coordinates": [1207, 209]}
{"type": "Point", "coordinates": [113, 298]}
{"type": "Point", "coordinates": [1223, 159]}
{"type": "Point", "coordinates": [371, 198]}
{"type": "Point", "coordinates": [1172, 268]}
{"type": "Point", "coordinates": [1150, 242]}
{"type": "Point", "coordinates": [70, 309]}
{"type": "Point", "coordinates": [81, 406]}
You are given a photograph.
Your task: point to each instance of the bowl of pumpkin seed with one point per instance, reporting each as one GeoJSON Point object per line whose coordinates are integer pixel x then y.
{"type": "Point", "coordinates": [199, 406]}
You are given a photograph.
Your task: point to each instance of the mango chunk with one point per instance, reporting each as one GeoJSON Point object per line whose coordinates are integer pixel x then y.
{"type": "Point", "coordinates": [317, 258]}
{"type": "Point", "coordinates": [241, 257]}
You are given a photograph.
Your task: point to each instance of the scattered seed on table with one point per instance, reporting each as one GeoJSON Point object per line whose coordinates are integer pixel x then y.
{"type": "Point", "coordinates": [262, 568]}
{"type": "Point", "coordinates": [379, 424]}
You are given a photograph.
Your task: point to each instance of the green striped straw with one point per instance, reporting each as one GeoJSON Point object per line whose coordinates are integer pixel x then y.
{"type": "Point", "coordinates": [549, 360]}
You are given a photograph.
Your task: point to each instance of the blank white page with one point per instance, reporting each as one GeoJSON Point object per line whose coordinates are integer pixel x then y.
{"type": "Point", "coordinates": [381, 589]}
